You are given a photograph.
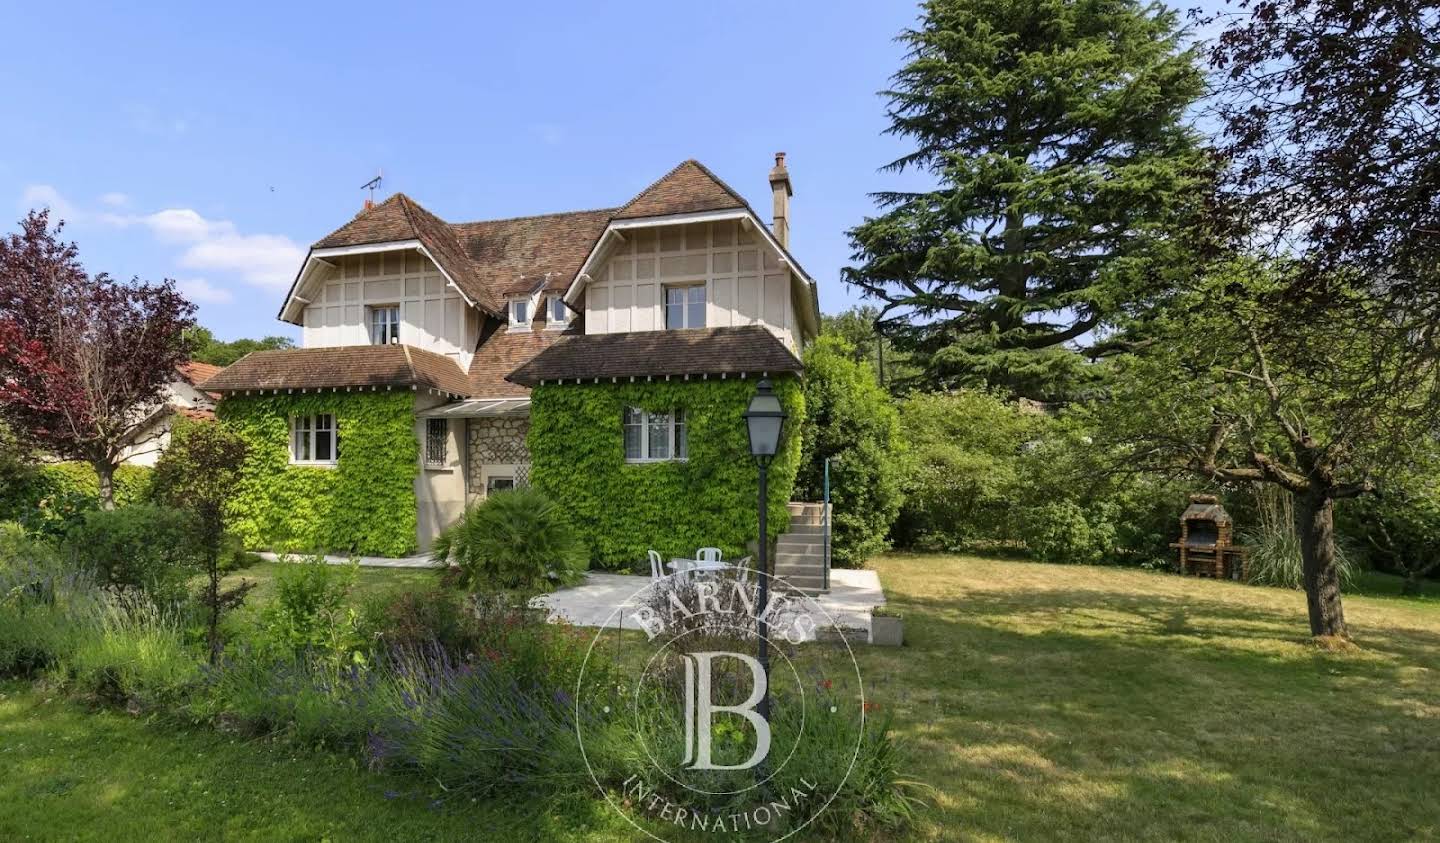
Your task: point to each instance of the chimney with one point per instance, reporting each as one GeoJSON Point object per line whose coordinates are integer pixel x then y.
{"type": "Point", "coordinates": [780, 187]}
{"type": "Point", "coordinates": [369, 203]}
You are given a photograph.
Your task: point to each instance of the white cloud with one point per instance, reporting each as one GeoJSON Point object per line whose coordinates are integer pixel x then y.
{"type": "Point", "coordinates": [45, 196]}
{"type": "Point", "coordinates": [202, 291]}
{"type": "Point", "coordinates": [266, 260]}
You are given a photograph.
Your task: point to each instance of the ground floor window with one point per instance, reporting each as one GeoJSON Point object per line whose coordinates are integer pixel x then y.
{"type": "Point", "coordinates": [314, 440]}
{"type": "Point", "coordinates": [437, 442]}
{"type": "Point", "coordinates": [655, 437]}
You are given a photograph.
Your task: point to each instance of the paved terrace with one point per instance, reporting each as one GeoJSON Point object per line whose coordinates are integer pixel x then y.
{"type": "Point", "coordinates": [592, 603]}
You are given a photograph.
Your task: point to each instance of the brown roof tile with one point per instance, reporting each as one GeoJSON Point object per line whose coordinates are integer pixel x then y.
{"type": "Point", "coordinates": [698, 351]}
{"type": "Point", "coordinates": [509, 254]}
{"type": "Point", "coordinates": [356, 365]}
{"type": "Point", "coordinates": [195, 372]}
{"type": "Point", "coordinates": [687, 189]}
{"type": "Point", "coordinates": [500, 355]}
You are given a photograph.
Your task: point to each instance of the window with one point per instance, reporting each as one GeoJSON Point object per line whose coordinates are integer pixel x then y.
{"type": "Point", "coordinates": [384, 324]}
{"type": "Point", "coordinates": [685, 307]}
{"type": "Point", "coordinates": [314, 440]}
{"type": "Point", "coordinates": [559, 314]}
{"type": "Point", "coordinates": [437, 443]}
{"type": "Point", "coordinates": [520, 313]}
{"type": "Point", "coordinates": [655, 437]}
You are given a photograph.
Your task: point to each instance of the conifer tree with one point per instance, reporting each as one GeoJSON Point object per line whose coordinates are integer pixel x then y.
{"type": "Point", "coordinates": [1064, 178]}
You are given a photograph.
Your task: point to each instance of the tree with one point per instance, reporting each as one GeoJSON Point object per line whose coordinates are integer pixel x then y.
{"type": "Point", "coordinates": [200, 471]}
{"type": "Point", "coordinates": [208, 349]}
{"type": "Point", "coordinates": [1240, 385]}
{"type": "Point", "coordinates": [850, 420]}
{"type": "Point", "coordinates": [1331, 113]}
{"type": "Point", "coordinates": [1064, 178]}
{"type": "Point", "coordinates": [81, 356]}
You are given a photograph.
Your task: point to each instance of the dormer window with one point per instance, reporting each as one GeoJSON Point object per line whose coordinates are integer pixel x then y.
{"type": "Point", "coordinates": [384, 324]}
{"type": "Point", "coordinates": [520, 314]}
{"type": "Point", "coordinates": [557, 315]}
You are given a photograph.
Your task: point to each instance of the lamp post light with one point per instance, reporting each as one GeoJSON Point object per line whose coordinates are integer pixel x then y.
{"type": "Point", "coordinates": [764, 421]}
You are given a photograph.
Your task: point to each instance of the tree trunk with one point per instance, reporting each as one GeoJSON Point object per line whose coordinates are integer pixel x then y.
{"type": "Point", "coordinates": [1315, 522]}
{"type": "Point", "coordinates": [1414, 584]}
{"type": "Point", "coordinates": [105, 472]}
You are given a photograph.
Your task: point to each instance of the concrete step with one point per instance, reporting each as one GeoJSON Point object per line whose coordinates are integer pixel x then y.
{"type": "Point", "coordinates": [807, 514]}
{"type": "Point", "coordinates": [806, 559]}
{"type": "Point", "coordinates": [797, 529]}
{"type": "Point", "coordinates": [808, 585]}
{"type": "Point", "coordinates": [802, 545]}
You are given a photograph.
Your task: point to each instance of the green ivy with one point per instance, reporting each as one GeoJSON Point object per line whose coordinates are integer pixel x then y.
{"type": "Point", "coordinates": [578, 458]}
{"type": "Point", "coordinates": [364, 505]}
{"type": "Point", "coordinates": [51, 498]}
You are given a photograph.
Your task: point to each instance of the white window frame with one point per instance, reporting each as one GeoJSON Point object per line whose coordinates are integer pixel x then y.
{"type": "Point", "coordinates": [689, 289]}
{"type": "Point", "coordinates": [552, 304]}
{"type": "Point", "coordinates": [677, 435]}
{"type": "Point", "coordinates": [390, 325]}
{"type": "Point", "coordinates": [303, 430]}
{"type": "Point", "coordinates": [522, 323]}
{"type": "Point", "coordinates": [433, 460]}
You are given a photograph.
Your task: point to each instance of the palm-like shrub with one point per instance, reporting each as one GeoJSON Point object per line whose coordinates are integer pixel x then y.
{"type": "Point", "coordinates": [519, 540]}
{"type": "Point", "coordinates": [1274, 546]}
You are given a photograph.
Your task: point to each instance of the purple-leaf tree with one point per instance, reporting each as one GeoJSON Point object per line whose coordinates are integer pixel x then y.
{"type": "Point", "coordinates": [82, 357]}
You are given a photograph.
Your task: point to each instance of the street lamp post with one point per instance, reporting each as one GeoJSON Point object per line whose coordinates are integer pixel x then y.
{"type": "Point", "coordinates": [764, 421]}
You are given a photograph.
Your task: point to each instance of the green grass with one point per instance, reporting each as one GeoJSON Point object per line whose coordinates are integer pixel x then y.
{"type": "Point", "coordinates": [75, 774]}
{"type": "Point", "coordinates": [1040, 702]}
{"type": "Point", "coordinates": [1062, 702]}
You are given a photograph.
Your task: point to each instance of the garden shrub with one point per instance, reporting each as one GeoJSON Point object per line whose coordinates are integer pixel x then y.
{"type": "Point", "coordinates": [518, 539]}
{"type": "Point", "coordinates": [144, 546]}
{"type": "Point", "coordinates": [364, 505]}
{"type": "Point", "coordinates": [852, 421]}
{"type": "Point", "coordinates": [413, 618]}
{"type": "Point", "coordinates": [624, 509]}
{"type": "Point", "coordinates": [311, 613]}
{"type": "Point", "coordinates": [50, 499]}
{"type": "Point", "coordinates": [19, 548]}
{"type": "Point", "coordinates": [1273, 544]}
{"type": "Point", "coordinates": [962, 473]}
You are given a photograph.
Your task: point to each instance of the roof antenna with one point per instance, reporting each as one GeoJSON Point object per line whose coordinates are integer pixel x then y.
{"type": "Point", "coordinates": [371, 186]}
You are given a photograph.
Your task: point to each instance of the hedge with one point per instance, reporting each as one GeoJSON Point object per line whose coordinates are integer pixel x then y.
{"type": "Point", "coordinates": [578, 459]}
{"type": "Point", "coordinates": [48, 498]}
{"type": "Point", "coordinates": [365, 505]}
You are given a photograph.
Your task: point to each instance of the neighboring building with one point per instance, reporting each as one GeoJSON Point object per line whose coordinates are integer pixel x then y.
{"type": "Point", "coordinates": [603, 355]}
{"type": "Point", "coordinates": [182, 398]}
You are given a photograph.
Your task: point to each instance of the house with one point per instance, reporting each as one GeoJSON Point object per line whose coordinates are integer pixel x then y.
{"type": "Point", "coordinates": [182, 398]}
{"type": "Point", "coordinates": [603, 356]}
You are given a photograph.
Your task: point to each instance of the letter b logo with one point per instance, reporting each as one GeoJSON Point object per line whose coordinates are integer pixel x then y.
{"type": "Point", "coordinates": [700, 711]}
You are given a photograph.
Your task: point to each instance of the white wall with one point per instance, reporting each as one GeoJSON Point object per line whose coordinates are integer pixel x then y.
{"type": "Point", "coordinates": [745, 282]}
{"type": "Point", "coordinates": [433, 316]}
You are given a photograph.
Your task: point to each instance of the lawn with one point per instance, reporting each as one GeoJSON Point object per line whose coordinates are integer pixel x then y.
{"type": "Point", "coordinates": [1040, 702]}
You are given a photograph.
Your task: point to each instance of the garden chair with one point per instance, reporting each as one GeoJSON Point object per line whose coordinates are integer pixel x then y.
{"type": "Point", "coordinates": [708, 554]}
{"type": "Point", "coordinates": [657, 565]}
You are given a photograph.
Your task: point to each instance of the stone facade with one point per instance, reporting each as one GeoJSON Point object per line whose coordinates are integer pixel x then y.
{"type": "Point", "coordinates": [498, 441]}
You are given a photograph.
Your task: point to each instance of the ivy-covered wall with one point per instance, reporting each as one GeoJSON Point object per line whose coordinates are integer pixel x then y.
{"type": "Point", "coordinates": [623, 509]}
{"type": "Point", "coordinates": [364, 505]}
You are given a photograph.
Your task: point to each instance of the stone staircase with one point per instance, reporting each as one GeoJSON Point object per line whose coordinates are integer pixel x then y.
{"type": "Point", "coordinates": [800, 551]}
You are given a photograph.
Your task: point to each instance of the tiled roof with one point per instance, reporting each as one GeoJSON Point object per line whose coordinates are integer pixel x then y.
{"type": "Point", "coordinates": [510, 253]}
{"type": "Point", "coordinates": [401, 218]}
{"type": "Point", "coordinates": [500, 354]}
{"type": "Point", "coordinates": [687, 189]}
{"type": "Point", "coordinates": [195, 372]}
{"type": "Point", "coordinates": [342, 366]}
{"type": "Point", "coordinates": [492, 259]}
{"type": "Point", "coordinates": [698, 351]}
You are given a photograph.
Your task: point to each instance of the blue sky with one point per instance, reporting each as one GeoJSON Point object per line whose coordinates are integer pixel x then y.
{"type": "Point", "coordinates": [211, 145]}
